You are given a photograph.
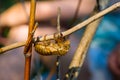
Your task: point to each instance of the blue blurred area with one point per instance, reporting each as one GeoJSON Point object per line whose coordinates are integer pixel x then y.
{"type": "Point", "coordinates": [106, 38]}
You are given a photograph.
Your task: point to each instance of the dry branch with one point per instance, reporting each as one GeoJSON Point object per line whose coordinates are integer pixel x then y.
{"type": "Point", "coordinates": [80, 53]}
{"type": "Point", "coordinates": [75, 28]}
{"type": "Point", "coordinates": [12, 46]}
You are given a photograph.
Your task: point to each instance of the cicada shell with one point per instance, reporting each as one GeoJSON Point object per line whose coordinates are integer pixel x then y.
{"type": "Point", "coordinates": [58, 47]}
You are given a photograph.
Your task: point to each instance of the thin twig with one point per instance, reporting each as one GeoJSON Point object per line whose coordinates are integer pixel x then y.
{"type": "Point", "coordinates": [30, 38]}
{"type": "Point", "coordinates": [76, 13]}
{"type": "Point", "coordinates": [28, 46]}
{"type": "Point", "coordinates": [12, 46]}
{"type": "Point", "coordinates": [58, 57]}
{"type": "Point", "coordinates": [58, 68]}
{"type": "Point", "coordinates": [75, 28]}
{"type": "Point", "coordinates": [58, 20]}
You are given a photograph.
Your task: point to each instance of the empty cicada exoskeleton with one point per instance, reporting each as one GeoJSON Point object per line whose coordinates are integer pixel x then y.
{"type": "Point", "coordinates": [58, 46]}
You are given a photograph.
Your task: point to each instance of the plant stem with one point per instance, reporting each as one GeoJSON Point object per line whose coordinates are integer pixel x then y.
{"type": "Point", "coordinates": [28, 46]}
{"type": "Point", "coordinates": [27, 68]}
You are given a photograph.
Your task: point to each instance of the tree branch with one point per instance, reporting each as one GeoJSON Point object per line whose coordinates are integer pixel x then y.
{"type": "Point", "coordinates": [75, 28]}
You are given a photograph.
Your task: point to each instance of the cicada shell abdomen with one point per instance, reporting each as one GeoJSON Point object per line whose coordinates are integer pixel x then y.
{"type": "Point", "coordinates": [60, 48]}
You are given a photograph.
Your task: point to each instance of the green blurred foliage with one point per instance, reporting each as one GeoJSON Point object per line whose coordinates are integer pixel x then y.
{"type": "Point", "coordinates": [5, 31]}
{"type": "Point", "coordinates": [5, 4]}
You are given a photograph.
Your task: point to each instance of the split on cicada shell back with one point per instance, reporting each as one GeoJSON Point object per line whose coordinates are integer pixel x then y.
{"type": "Point", "coordinates": [59, 46]}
